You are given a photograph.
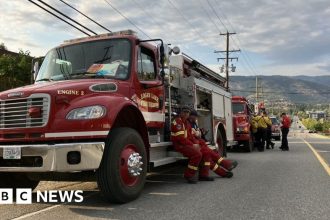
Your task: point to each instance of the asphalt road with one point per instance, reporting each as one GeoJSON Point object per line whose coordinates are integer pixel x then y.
{"type": "Point", "coordinates": [266, 185]}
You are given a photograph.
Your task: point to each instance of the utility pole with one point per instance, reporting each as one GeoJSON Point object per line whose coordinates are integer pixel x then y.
{"type": "Point", "coordinates": [257, 89]}
{"type": "Point", "coordinates": [227, 58]}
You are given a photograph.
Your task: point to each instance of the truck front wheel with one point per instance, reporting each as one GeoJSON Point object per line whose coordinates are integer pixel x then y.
{"type": "Point", "coordinates": [123, 169]}
{"type": "Point", "coordinates": [17, 180]}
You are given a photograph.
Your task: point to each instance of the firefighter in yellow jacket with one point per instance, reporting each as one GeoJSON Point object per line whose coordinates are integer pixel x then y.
{"type": "Point", "coordinates": [263, 121]}
{"type": "Point", "coordinates": [254, 129]}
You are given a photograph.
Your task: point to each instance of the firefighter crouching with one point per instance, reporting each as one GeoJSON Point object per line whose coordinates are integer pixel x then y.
{"type": "Point", "coordinates": [217, 164]}
{"type": "Point", "coordinates": [181, 143]}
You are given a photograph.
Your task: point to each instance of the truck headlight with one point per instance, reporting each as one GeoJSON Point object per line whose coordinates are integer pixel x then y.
{"type": "Point", "coordinates": [90, 112]}
{"type": "Point", "coordinates": [243, 129]}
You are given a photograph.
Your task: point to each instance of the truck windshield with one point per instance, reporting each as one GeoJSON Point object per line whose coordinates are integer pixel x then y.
{"type": "Point", "coordinates": [238, 108]}
{"type": "Point", "coordinates": [97, 59]}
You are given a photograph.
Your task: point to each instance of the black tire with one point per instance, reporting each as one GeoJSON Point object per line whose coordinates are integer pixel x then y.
{"type": "Point", "coordinates": [222, 146]}
{"type": "Point", "coordinates": [249, 145]}
{"type": "Point", "coordinates": [17, 180]}
{"type": "Point", "coordinates": [110, 172]}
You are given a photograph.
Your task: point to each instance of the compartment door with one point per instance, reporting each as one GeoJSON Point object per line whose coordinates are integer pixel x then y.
{"type": "Point", "coordinates": [229, 119]}
{"type": "Point", "coordinates": [218, 105]}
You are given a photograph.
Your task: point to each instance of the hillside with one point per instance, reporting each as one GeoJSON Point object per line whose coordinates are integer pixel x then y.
{"type": "Point", "coordinates": [296, 89]}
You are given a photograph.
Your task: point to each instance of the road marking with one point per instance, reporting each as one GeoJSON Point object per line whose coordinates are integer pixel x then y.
{"type": "Point", "coordinates": [301, 142]}
{"type": "Point", "coordinates": [37, 212]}
{"type": "Point", "coordinates": [320, 136]}
{"type": "Point", "coordinates": [46, 209]}
{"type": "Point", "coordinates": [163, 194]}
{"type": "Point", "coordinates": [159, 181]}
{"type": "Point", "coordinates": [318, 156]}
{"type": "Point", "coordinates": [323, 151]}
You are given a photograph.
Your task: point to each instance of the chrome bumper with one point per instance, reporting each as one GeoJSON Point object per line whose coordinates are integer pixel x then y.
{"type": "Point", "coordinates": [55, 157]}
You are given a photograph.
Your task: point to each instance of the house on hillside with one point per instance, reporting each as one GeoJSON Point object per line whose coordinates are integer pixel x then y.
{"type": "Point", "coordinates": [7, 52]}
{"type": "Point", "coordinates": [316, 114]}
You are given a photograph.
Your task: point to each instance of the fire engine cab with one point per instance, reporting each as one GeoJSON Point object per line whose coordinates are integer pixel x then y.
{"type": "Point", "coordinates": [242, 116]}
{"type": "Point", "coordinates": [101, 107]}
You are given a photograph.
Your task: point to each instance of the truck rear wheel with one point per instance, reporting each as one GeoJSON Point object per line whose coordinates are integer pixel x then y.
{"type": "Point", "coordinates": [123, 169]}
{"type": "Point", "coordinates": [17, 180]}
{"type": "Point", "coordinates": [222, 148]}
{"type": "Point", "coordinates": [248, 145]}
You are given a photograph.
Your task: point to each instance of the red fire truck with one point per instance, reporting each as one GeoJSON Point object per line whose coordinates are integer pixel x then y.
{"type": "Point", "coordinates": [241, 120]}
{"type": "Point", "coordinates": [101, 108]}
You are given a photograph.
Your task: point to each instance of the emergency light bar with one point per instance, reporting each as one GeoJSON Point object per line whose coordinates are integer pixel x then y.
{"type": "Point", "coordinates": [117, 33]}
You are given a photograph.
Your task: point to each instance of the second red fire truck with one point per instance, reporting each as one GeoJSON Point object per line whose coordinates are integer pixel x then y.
{"type": "Point", "coordinates": [242, 115]}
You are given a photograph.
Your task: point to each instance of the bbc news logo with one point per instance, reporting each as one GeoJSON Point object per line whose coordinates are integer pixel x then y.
{"type": "Point", "coordinates": [24, 196]}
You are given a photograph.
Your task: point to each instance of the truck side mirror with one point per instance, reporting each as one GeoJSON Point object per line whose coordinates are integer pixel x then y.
{"type": "Point", "coordinates": [35, 69]}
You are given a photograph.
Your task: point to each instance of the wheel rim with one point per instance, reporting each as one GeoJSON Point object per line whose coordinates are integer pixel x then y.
{"type": "Point", "coordinates": [130, 165]}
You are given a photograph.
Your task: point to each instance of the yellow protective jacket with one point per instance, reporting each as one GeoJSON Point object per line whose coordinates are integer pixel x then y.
{"type": "Point", "coordinates": [254, 124]}
{"type": "Point", "coordinates": [263, 121]}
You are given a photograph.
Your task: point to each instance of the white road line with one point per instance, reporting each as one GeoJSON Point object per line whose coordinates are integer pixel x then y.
{"type": "Point", "coordinates": [37, 212]}
{"type": "Point", "coordinates": [46, 209]}
{"type": "Point", "coordinates": [163, 194]}
{"type": "Point", "coordinates": [159, 181]}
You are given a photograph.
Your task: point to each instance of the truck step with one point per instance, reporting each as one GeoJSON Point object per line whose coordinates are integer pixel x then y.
{"type": "Point", "coordinates": [163, 161]}
{"type": "Point", "coordinates": [161, 144]}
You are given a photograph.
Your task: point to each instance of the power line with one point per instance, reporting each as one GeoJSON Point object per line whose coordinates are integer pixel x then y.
{"type": "Point", "coordinates": [187, 21]}
{"type": "Point", "coordinates": [59, 17]}
{"type": "Point", "coordinates": [156, 22]}
{"type": "Point", "coordinates": [253, 69]}
{"type": "Point", "coordinates": [85, 15]}
{"type": "Point", "coordinates": [54, 9]}
{"type": "Point", "coordinates": [252, 66]}
{"type": "Point", "coordinates": [131, 22]}
{"type": "Point", "coordinates": [216, 14]}
{"type": "Point", "coordinates": [209, 16]}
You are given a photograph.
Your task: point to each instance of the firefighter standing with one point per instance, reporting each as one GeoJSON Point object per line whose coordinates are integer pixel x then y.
{"type": "Point", "coordinates": [263, 122]}
{"type": "Point", "coordinates": [181, 143]}
{"type": "Point", "coordinates": [286, 123]}
{"type": "Point", "coordinates": [269, 132]}
{"type": "Point", "coordinates": [254, 128]}
{"type": "Point", "coordinates": [218, 164]}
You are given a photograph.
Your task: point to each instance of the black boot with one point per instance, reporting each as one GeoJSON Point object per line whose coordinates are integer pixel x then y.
{"type": "Point", "coordinates": [229, 174]}
{"type": "Point", "coordinates": [191, 180]}
{"type": "Point", "coordinates": [205, 178]}
{"type": "Point", "coordinates": [233, 165]}
{"type": "Point", "coordinates": [272, 145]}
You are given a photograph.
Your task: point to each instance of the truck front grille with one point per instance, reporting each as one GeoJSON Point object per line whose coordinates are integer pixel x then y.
{"type": "Point", "coordinates": [14, 113]}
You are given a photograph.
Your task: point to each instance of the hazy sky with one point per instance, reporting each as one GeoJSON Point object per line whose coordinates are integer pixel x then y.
{"type": "Point", "coordinates": [282, 37]}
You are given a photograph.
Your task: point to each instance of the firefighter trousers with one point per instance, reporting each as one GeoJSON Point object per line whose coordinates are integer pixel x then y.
{"type": "Point", "coordinates": [211, 159]}
{"type": "Point", "coordinates": [215, 157]}
{"type": "Point", "coordinates": [194, 156]}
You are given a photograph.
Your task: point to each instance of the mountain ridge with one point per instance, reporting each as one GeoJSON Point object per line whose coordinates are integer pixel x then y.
{"type": "Point", "coordinates": [299, 89]}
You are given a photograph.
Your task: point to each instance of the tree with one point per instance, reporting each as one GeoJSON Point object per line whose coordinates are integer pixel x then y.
{"type": "Point", "coordinates": [3, 47]}
{"type": "Point", "coordinates": [15, 70]}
